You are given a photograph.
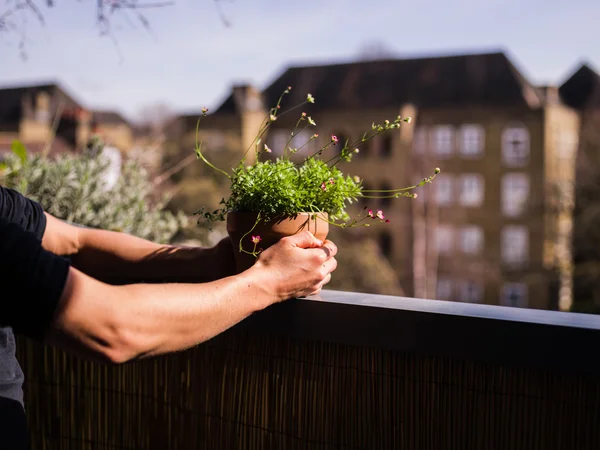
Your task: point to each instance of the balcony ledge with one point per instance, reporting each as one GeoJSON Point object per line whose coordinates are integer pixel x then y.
{"type": "Point", "coordinates": [548, 340]}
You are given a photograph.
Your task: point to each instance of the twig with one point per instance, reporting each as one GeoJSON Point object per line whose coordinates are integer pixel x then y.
{"type": "Point", "coordinates": [173, 170]}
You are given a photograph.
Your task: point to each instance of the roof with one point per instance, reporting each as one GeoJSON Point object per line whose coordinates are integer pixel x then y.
{"type": "Point", "coordinates": [109, 117]}
{"type": "Point", "coordinates": [11, 101]}
{"type": "Point", "coordinates": [582, 89]}
{"type": "Point", "coordinates": [442, 81]}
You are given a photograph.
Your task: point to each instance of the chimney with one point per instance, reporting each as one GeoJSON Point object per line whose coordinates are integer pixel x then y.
{"type": "Point", "coordinates": [247, 98]}
{"type": "Point", "coordinates": [551, 95]}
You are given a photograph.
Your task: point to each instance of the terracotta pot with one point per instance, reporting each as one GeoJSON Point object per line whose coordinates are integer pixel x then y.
{"type": "Point", "coordinates": [238, 224]}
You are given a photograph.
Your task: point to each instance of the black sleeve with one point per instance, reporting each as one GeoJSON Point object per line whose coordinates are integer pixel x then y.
{"type": "Point", "coordinates": [31, 281]}
{"type": "Point", "coordinates": [20, 210]}
{"type": "Point", "coordinates": [31, 278]}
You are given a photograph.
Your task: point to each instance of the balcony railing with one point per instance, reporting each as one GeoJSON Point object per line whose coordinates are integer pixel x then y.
{"type": "Point", "coordinates": [342, 371]}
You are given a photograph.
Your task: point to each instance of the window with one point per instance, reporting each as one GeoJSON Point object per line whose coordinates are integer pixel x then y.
{"type": "Point", "coordinates": [515, 192]}
{"type": "Point", "coordinates": [470, 240]}
{"type": "Point", "coordinates": [471, 292]}
{"type": "Point", "coordinates": [386, 149]}
{"type": "Point", "coordinates": [385, 244]}
{"type": "Point", "coordinates": [515, 146]}
{"type": "Point", "coordinates": [444, 289]}
{"type": "Point", "coordinates": [515, 244]}
{"type": "Point", "coordinates": [278, 140]}
{"type": "Point", "coordinates": [471, 190]}
{"type": "Point", "coordinates": [514, 295]}
{"type": "Point", "coordinates": [472, 140]}
{"type": "Point", "coordinates": [420, 141]}
{"type": "Point", "coordinates": [303, 140]}
{"type": "Point", "coordinates": [444, 239]}
{"type": "Point", "coordinates": [443, 186]}
{"type": "Point", "coordinates": [443, 141]}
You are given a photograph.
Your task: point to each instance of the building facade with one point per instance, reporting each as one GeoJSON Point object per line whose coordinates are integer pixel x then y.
{"type": "Point", "coordinates": [48, 119]}
{"type": "Point", "coordinates": [489, 229]}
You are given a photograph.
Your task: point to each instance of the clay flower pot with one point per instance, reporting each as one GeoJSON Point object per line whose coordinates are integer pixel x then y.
{"type": "Point", "coordinates": [239, 224]}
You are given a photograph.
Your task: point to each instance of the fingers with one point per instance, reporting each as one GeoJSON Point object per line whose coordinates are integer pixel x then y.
{"type": "Point", "coordinates": [304, 240]}
{"type": "Point", "coordinates": [330, 248]}
{"type": "Point", "coordinates": [320, 286]}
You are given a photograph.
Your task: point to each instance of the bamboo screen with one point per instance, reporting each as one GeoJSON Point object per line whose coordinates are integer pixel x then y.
{"type": "Point", "coordinates": [250, 391]}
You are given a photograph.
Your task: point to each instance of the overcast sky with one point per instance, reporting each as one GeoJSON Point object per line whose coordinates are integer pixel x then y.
{"type": "Point", "coordinates": [191, 58]}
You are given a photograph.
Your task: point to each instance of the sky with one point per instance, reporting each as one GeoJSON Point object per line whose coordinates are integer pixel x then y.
{"type": "Point", "coordinates": [197, 49]}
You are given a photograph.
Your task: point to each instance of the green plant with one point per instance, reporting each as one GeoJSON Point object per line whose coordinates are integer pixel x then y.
{"type": "Point", "coordinates": [72, 188]}
{"type": "Point", "coordinates": [292, 184]}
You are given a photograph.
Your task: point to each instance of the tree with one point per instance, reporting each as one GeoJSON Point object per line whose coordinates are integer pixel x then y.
{"type": "Point", "coordinates": [373, 50]}
{"type": "Point", "coordinates": [586, 217]}
{"type": "Point", "coordinates": [15, 14]}
{"type": "Point", "coordinates": [362, 267]}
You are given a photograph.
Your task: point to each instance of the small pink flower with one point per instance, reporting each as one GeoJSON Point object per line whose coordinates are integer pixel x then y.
{"type": "Point", "coordinates": [289, 88]}
{"type": "Point", "coordinates": [204, 110]}
{"type": "Point", "coordinates": [303, 114]}
{"type": "Point", "coordinates": [256, 239]}
{"type": "Point", "coordinates": [316, 135]}
{"type": "Point", "coordinates": [370, 213]}
{"type": "Point", "coordinates": [380, 214]}
{"type": "Point", "coordinates": [267, 149]}
{"type": "Point", "coordinates": [331, 181]}
{"type": "Point", "coordinates": [334, 139]}
{"type": "Point", "coordinates": [323, 187]}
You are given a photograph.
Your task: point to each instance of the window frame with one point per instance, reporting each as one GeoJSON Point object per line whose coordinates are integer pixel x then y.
{"type": "Point", "coordinates": [508, 157]}
{"type": "Point", "coordinates": [524, 245]}
{"type": "Point", "coordinates": [461, 191]}
{"type": "Point", "coordinates": [462, 140]}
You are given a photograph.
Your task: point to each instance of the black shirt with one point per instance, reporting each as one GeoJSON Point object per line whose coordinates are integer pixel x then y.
{"type": "Point", "coordinates": [31, 282]}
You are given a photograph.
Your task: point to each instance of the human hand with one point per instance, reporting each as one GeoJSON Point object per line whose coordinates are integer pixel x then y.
{"type": "Point", "coordinates": [297, 265]}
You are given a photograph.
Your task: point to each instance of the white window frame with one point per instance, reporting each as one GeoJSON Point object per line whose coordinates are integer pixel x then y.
{"type": "Point", "coordinates": [420, 145]}
{"type": "Point", "coordinates": [471, 291]}
{"type": "Point", "coordinates": [515, 244]}
{"type": "Point", "coordinates": [444, 289]}
{"type": "Point", "coordinates": [278, 138]}
{"type": "Point", "coordinates": [444, 189]}
{"type": "Point", "coordinates": [471, 140]}
{"type": "Point", "coordinates": [444, 239]}
{"type": "Point", "coordinates": [471, 240]}
{"type": "Point", "coordinates": [443, 141]}
{"type": "Point", "coordinates": [515, 193]}
{"type": "Point", "coordinates": [471, 197]}
{"type": "Point", "coordinates": [507, 288]}
{"type": "Point", "coordinates": [512, 156]}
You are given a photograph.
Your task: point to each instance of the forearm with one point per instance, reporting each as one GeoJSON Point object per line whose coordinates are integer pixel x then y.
{"type": "Point", "coordinates": [120, 258]}
{"type": "Point", "coordinates": [121, 323]}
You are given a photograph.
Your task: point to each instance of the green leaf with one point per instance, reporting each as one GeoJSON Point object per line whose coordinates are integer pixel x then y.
{"type": "Point", "coordinates": [18, 148]}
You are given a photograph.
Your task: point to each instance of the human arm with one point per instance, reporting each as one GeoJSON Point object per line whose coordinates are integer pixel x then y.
{"type": "Point", "coordinates": [118, 258]}
{"type": "Point", "coordinates": [121, 323]}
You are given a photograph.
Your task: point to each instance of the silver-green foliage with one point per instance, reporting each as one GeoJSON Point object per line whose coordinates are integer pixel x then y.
{"type": "Point", "coordinates": [71, 188]}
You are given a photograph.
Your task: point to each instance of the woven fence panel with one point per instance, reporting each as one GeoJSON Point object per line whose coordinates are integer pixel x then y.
{"type": "Point", "coordinates": [249, 391]}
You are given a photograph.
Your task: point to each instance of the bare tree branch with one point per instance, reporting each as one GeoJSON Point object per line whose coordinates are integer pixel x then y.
{"type": "Point", "coordinates": [14, 19]}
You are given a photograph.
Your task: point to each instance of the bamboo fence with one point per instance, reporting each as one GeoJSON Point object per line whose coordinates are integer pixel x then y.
{"type": "Point", "coordinates": [251, 391]}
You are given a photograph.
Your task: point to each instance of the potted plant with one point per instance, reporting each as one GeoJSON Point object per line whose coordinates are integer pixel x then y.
{"type": "Point", "coordinates": [300, 190]}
